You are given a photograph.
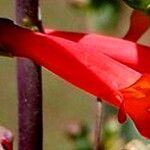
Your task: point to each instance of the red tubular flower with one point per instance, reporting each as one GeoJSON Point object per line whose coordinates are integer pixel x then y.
{"type": "Point", "coordinates": [139, 23]}
{"type": "Point", "coordinates": [131, 54]}
{"type": "Point", "coordinates": [78, 65]}
{"type": "Point", "coordinates": [87, 68]}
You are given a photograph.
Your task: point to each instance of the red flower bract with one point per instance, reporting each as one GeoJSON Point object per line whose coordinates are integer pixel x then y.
{"type": "Point", "coordinates": [87, 67]}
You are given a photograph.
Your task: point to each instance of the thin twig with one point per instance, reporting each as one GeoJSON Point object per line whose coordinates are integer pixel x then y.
{"type": "Point", "coordinates": [29, 84]}
{"type": "Point", "coordinates": [98, 124]}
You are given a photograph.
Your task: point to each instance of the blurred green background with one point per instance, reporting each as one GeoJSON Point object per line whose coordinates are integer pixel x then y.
{"type": "Point", "coordinates": [63, 102]}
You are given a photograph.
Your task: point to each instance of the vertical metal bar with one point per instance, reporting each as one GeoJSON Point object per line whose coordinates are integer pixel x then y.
{"type": "Point", "coordinates": [29, 84]}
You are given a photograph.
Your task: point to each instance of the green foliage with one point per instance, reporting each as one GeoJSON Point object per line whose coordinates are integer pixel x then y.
{"type": "Point", "coordinates": [95, 4]}
{"type": "Point", "coordinates": [102, 13]}
{"type": "Point", "coordinates": [79, 134]}
{"type": "Point", "coordinates": [143, 5]}
{"type": "Point", "coordinates": [105, 13]}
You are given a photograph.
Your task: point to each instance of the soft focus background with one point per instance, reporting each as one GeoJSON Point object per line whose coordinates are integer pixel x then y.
{"type": "Point", "coordinates": [64, 103]}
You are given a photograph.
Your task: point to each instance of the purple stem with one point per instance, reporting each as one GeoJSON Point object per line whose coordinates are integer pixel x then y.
{"type": "Point", "coordinates": [29, 85]}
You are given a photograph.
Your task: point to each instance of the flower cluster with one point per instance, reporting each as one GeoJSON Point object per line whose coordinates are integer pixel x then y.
{"type": "Point", "coordinates": [116, 70]}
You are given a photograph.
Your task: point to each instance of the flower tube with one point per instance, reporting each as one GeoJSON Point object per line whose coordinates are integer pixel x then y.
{"type": "Point", "coordinates": [139, 24]}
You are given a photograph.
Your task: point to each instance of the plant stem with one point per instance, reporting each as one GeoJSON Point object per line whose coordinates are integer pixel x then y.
{"type": "Point", "coordinates": [98, 125]}
{"type": "Point", "coordinates": [29, 84]}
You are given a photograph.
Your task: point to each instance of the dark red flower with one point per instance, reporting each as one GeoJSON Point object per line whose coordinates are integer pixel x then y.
{"type": "Point", "coordinates": [6, 139]}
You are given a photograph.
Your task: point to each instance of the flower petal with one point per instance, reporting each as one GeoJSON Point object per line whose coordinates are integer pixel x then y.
{"type": "Point", "coordinates": [129, 53]}
{"type": "Point", "coordinates": [137, 104]}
